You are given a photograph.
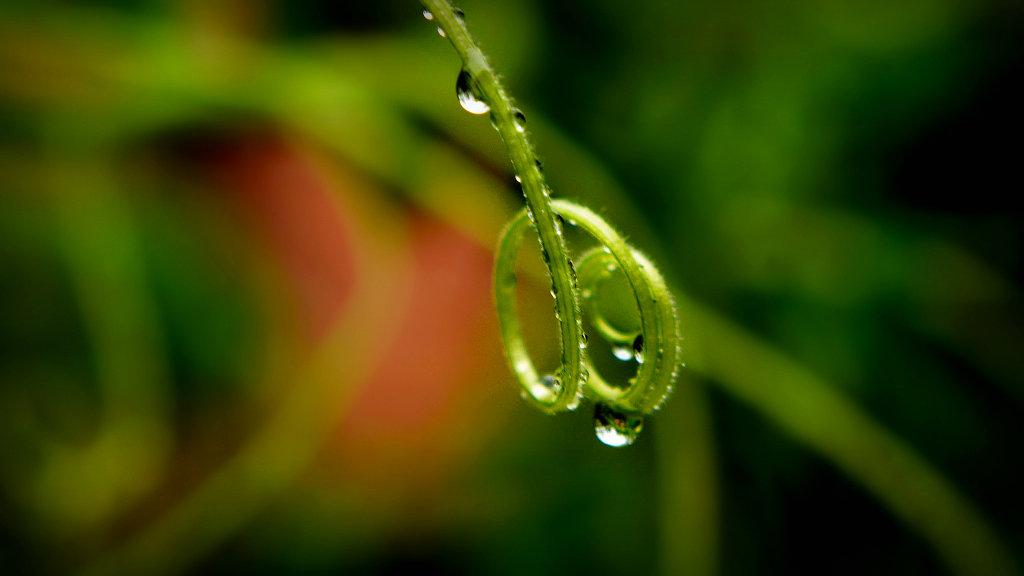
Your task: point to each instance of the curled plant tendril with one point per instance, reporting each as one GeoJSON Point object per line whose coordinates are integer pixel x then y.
{"type": "Point", "coordinates": [620, 408]}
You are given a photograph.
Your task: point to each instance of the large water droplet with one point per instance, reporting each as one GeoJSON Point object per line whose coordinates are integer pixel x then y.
{"type": "Point", "coordinates": [520, 120]}
{"type": "Point", "coordinates": [638, 348]}
{"type": "Point", "coordinates": [614, 428]}
{"type": "Point", "coordinates": [470, 98]}
{"type": "Point", "coordinates": [622, 352]}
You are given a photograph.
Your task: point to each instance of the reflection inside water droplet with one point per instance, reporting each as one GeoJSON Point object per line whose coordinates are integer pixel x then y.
{"type": "Point", "coordinates": [614, 428]}
{"type": "Point", "coordinates": [520, 120]}
{"type": "Point", "coordinates": [622, 352]}
{"type": "Point", "coordinates": [469, 94]}
{"type": "Point", "coordinates": [638, 348]}
{"type": "Point", "coordinates": [552, 384]}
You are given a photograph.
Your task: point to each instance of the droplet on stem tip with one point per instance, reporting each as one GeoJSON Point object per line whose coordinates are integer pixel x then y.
{"type": "Point", "coordinates": [614, 428]}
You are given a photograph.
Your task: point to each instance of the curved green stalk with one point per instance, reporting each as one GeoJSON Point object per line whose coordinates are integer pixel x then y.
{"type": "Point", "coordinates": [658, 324]}
{"type": "Point", "coordinates": [562, 391]}
{"type": "Point", "coordinates": [576, 376]}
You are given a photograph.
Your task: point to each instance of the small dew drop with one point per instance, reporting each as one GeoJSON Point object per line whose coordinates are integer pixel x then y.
{"type": "Point", "coordinates": [440, 32]}
{"type": "Point", "coordinates": [573, 404]}
{"type": "Point", "coordinates": [638, 348]}
{"type": "Point", "coordinates": [518, 179]}
{"type": "Point", "coordinates": [460, 14]}
{"type": "Point", "coordinates": [615, 428]}
{"type": "Point", "coordinates": [520, 120]}
{"type": "Point", "coordinates": [551, 383]}
{"type": "Point", "coordinates": [469, 94]}
{"type": "Point", "coordinates": [622, 352]}
{"type": "Point", "coordinates": [428, 15]}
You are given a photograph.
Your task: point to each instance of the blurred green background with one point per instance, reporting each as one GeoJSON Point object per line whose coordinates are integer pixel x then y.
{"type": "Point", "coordinates": [245, 311]}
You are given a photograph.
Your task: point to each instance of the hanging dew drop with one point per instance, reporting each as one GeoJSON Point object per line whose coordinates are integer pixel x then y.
{"type": "Point", "coordinates": [428, 15]}
{"type": "Point", "coordinates": [460, 14]}
{"type": "Point", "coordinates": [638, 348]}
{"type": "Point", "coordinates": [519, 119]}
{"type": "Point", "coordinates": [440, 32]}
{"type": "Point", "coordinates": [614, 428]}
{"type": "Point", "coordinates": [469, 94]}
{"type": "Point", "coordinates": [622, 352]}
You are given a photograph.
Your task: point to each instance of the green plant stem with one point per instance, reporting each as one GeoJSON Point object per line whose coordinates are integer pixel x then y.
{"type": "Point", "coordinates": [552, 244]}
{"type": "Point", "coordinates": [659, 333]}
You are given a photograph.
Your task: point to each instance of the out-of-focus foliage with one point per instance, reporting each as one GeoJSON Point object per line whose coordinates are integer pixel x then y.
{"type": "Point", "coordinates": [245, 309]}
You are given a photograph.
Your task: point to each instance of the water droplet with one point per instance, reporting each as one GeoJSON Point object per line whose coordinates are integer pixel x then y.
{"type": "Point", "coordinates": [638, 348]}
{"type": "Point", "coordinates": [520, 120]}
{"type": "Point", "coordinates": [440, 32]}
{"type": "Point", "coordinates": [622, 352]}
{"type": "Point", "coordinates": [428, 15]}
{"type": "Point", "coordinates": [551, 382]}
{"type": "Point", "coordinates": [615, 428]}
{"type": "Point", "coordinates": [469, 93]}
{"type": "Point", "coordinates": [518, 179]}
{"type": "Point", "coordinates": [460, 14]}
